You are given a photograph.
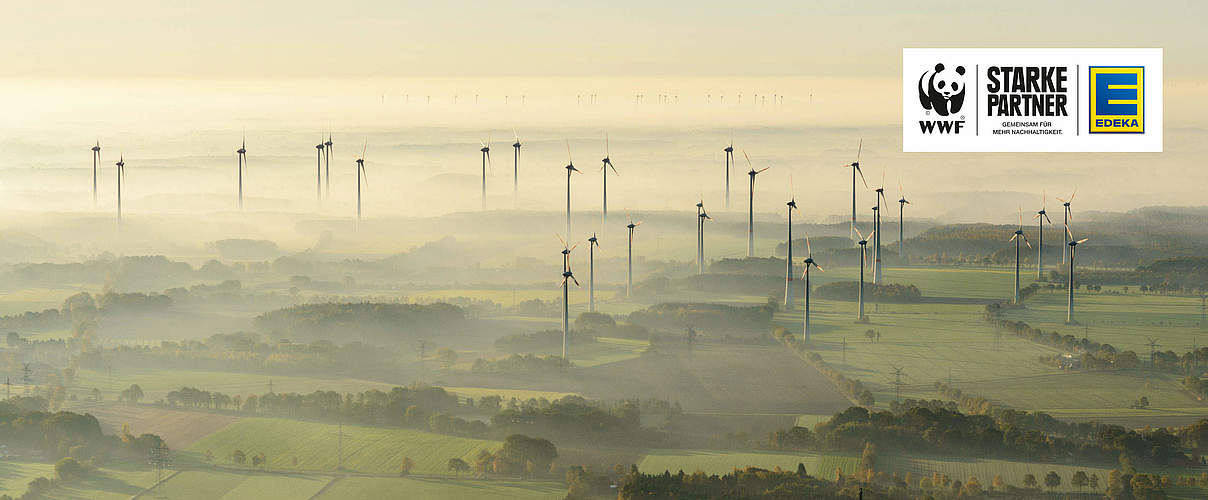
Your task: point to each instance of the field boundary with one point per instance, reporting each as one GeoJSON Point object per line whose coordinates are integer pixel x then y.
{"type": "Point", "coordinates": [157, 483]}
{"type": "Point", "coordinates": [325, 487]}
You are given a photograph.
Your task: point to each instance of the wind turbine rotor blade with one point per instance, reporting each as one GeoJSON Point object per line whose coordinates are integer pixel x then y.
{"type": "Point", "coordinates": [560, 240]}
{"type": "Point", "coordinates": [1081, 241]}
{"type": "Point", "coordinates": [760, 171]}
{"type": "Point", "coordinates": [572, 277]}
{"type": "Point", "coordinates": [819, 268]}
{"type": "Point", "coordinates": [861, 172]}
{"type": "Point", "coordinates": [859, 149]}
{"type": "Point", "coordinates": [1012, 238]}
{"type": "Point", "coordinates": [809, 250]}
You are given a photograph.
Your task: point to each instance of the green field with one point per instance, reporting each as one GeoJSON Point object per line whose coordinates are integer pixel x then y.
{"type": "Point", "coordinates": [199, 484]}
{"type": "Point", "coordinates": [314, 445]}
{"type": "Point", "coordinates": [1125, 321]}
{"type": "Point", "coordinates": [468, 489]}
{"type": "Point", "coordinates": [113, 482]}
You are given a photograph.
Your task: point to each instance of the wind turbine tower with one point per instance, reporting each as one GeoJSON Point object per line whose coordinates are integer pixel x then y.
{"type": "Point", "coordinates": [328, 152]}
{"type": "Point", "coordinates": [486, 161]}
{"type": "Point", "coordinates": [629, 260]}
{"type": "Point", "coordinates": [1073, 244]}
{"type": "Point", "coordinates": [515, 168]}
{"type": "Point", "coordinates": [96, 160]}
{"type": "Point", "coordinates": [855, 169]}
{"type": "Point", "coordinates": [241, 155]}
{"type": "Point", "coordinates": [592, 243]}
{"type": "Point", "coordinates": [361, 174]}
{"type": "Point", "coordinates": [1017, 237]}
{"type": "Point", "coordinates": [809, 262]}
{"type": "Point", "coordinates": [729, 159]}
{"type": "Point", "coordinates": [701, 217]}
{"type": "Point", "coordinates": [751, 206]}
{"type": "Point", "coordinates": [1041, 216]}
{"type": "Point", "coordinates": [567, 277]}
{"type": "Point", "coordinates": [902, 202]}
{"type": "Point", "coordinates": [570, 168]}
{"type": "Point", "coordinates": [1069, 216]}
{"type": "Point", "coordinates": [121, 175]}
{"type": "Point", "coordinates": [863, 258]}
{"type": "Point", "coordinates": [788, 262]}
{"type": "Point", "coordinates": [604, 168]}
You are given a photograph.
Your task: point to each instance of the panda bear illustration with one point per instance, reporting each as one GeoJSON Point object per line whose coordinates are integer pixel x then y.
{"type": "Point", "coordinates": [942, 90]}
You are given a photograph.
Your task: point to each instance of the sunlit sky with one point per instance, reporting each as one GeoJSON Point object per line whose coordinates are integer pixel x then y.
{"type": "Point", "coordinates": [228, 38]}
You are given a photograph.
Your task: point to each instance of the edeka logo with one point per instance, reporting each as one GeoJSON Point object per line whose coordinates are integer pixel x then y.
{"type": "Point", "coordinates": [942, 91]}
{"type": "Point", "coordinates": [1117, 99]}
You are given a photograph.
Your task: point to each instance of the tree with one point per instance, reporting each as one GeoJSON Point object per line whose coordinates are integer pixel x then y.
{"type": "Point", "coordinates": [1052, 480]}
{"type": "Point", "coordinates": [1029, 481]}
{"type": "Point", "coordinates": [457, 466]}
{"type": "Point", "coordinates": [1079, 480]}
{"type": "Point", "coordinates": [972, 487]}
{"type": "Point", "coordinates": [405, 468]}
{"type": "Point", "coordinates": [868, 459]}
{"type": "Point", "coordinates": [69, 469]}
{"type": "Point", "coordinates": [1094, 482]}
{"type": "Point", "coordinates": [447, 357]}
{"type": "Point", "coordinates": [238, 457]}
{"type": "Point", "coordinates": [999, 484]}
{"type": "Point", "coordinates": [132, 394]}
{"type": "Point", "coordinates": [520, 452]}
{"type": "Point", "coordinates": [870, 334]}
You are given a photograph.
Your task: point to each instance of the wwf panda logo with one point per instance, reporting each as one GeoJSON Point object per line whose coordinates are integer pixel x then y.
{"type": "Point", "coordinates": [942, 90]}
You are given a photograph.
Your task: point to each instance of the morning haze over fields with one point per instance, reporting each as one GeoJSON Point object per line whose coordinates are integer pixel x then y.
{"type": "Point", "coordinates": [351, 258]}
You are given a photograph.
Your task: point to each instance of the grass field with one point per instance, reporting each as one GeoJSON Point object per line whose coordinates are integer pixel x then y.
{"type": "Point", "coordinates": [203, 485]}
{"type": "Point", "coordinates": [1125, 321]}
{"type": "Point", "coordinates": [314, 445]}
{"type": "Point", "coordinates": [112, 482]}
{"type": "Point", "coordinates": [468, 489]}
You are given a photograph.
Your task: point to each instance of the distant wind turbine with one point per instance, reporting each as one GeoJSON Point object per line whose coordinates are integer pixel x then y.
{"type": "Point", "coordinates": [604, 168]}
{"type": "Point", "coordinates": [515, 167]}
{"type": "Point", "coordinates": [855, 169]}
{"type": "Point", "coordinates": [570, 168]}
{"type": "Point", "coordinates": [1069, 216]}
{"type": "Point", "coordinates": [121, 177]}
{"type": "Point", "coordinates": [863, 242]}
{"type": "Point", "coordinates": [319, 172]}
{"type": "Point", "coordinates": [567, 276]}
{"type": "Point", "coordinates": [361, 173]}
{"type": "Point", "coordinates": [486, 162]}
{"type": "Point", "coordinates": [629, 261]}
{"type": "Point", "coordinates": [902, 202]}
{"type": "Point", "coordinates": [1017, 237]}
{"type": "Point", "coordinates": [96, 160]}
{"type": "Point", "coordinates": [876, 252]}
{"type": "Point", "coordinates": [788, 261]}
{"type": "Point", "coordinates": [329, 152]}
{"type": "Point", "coordinates": [241, 155]}
{"type": "Point", "coordinates": [809, 261]}
{"type": "Point", "coordinates": [1073, 244]}
{"type": "Point", "coordinates": [592, 243]}
{"type": "Point", "coordinates": [729, 159]}
{"type": "Point", "coordinates": [701, 217]}
{"type": "Point", "coordinates": [751, 206]}
{"type": "Point", "coordinates": [1041, 216]}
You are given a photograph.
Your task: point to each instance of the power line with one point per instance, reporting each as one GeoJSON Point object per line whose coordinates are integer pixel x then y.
{"type": "Point", "coordinates": [897, 383]}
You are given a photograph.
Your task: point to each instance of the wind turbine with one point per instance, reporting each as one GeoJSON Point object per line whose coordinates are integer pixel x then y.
{"type": "Point", "coordinates": [902, 202]}
{"type": "Point", "coordinates": [486, 161]}
{"type": "Point", "coordinates": [729, 159]}
{"type": "Point", "coordinates": [1073, 244]}
{"type": "Point", "coordinates": [319, 172]}
{"type": "Point", "coordinates": [329, 152]}
{"type": "Point", "coordinates": [121, 175]}
{"type": "Point", "coordinates": [515, 167]}
{"type": "Point", "coordinates": [567, 276]}
{"type": "Point", "coordinates": [701, 217]}
{"type": "Point", "coordinates": [1069, 215]}
{"type": "Point", "coordinates": [241, 155]}
{"type": "Point", "coordinates": [604, 168]}
{"type": "Point", "coordinates": [629, 260]}
{"type": "Point", "coordinates": [751, 206]}
{"type": "Point", "coordinates": [876, 252]}
{"type": "Point", "coordinates": [863, 258]}
{"type": "Point", "coordinates": [809, 261]}
{"type": "Point", "coordinates": [361, 173]}
{"type": "Point", "coordinates": [592, 243]}
{"type": "Point", "coordinates": [788, 262]}
{"type": "Point", "coordinates": [855, 169]}
{"type": "Point", "coordinates": [96, 160]}
{"type": "Point", "coordinates": [1040, 217]}
{"type": "Point", "coordinates": [570, 168]}
{"type": "Point", "coordinates": [1017, 237]}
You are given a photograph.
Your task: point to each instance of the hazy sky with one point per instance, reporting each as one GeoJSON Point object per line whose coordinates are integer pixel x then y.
{"type": "Point", "coordinates": [132, 38]}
